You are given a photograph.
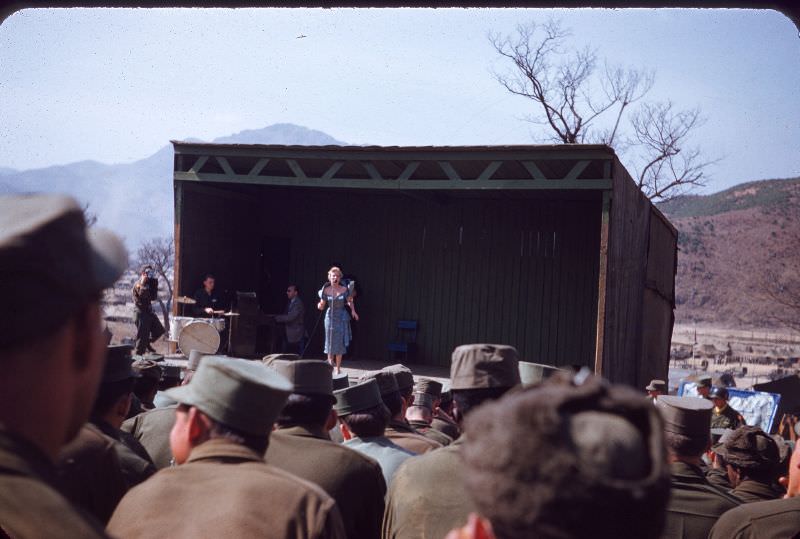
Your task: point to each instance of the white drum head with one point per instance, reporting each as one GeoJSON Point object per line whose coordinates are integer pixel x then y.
{"type": "Point", "coordinates": [199, 336]}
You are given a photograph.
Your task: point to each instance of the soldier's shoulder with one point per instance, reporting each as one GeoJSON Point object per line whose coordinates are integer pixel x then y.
{"type": "Point", "coordinates": [759, 519]}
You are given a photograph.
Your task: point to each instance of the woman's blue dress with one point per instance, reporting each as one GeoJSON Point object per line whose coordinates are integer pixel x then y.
{"type": "Point", "coordinates": [337, 323]}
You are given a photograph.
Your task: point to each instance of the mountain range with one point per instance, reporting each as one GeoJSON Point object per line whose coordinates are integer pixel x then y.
{"type": "Point", "coordinates": [136, 199]}
{"type": "Point", "coordinates": [726, 239]}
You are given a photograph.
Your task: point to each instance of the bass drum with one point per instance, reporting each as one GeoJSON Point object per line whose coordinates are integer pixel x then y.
{"type": "Point", "coordinates": [200, 336]}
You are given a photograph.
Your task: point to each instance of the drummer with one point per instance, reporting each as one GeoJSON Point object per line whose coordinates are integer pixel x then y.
{"type": "Point", "coordinates": [208, 299]}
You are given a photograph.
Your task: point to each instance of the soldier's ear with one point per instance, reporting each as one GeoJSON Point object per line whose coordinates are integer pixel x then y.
{"type": "Point", "coordinates": [346, 434]}
{"type": "Point", "coordinates": [477, 528]}
{"type": "Point", "coordinates": [199, 426]}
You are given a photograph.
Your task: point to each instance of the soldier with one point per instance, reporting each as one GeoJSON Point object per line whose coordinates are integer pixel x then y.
{"type": "Point", "coordinates": [751, 457]}
{"type": "Point", "coordinates": [301, 446]}
{"type": "Point", "coordinates": [420, 416]}
{"type": "Point", "coordinates": [704, 385]}
{"type": "Point", "coordinates": [221, 486]}
{"type": "Point", "coordinates": [148, 326]}
{"type": "Point", "coordinates": [775, 519]}
{"type": "Point", "coordinates": [52, 352]}
{"type": "Point", "coordinates": [152, 428]}
{"type": "Point", "coordinates": [398, 430]}
{"type": "Point", "coordinates": [83, 478]}
{"type": "Point", "coordinates": [656, 388]}
{"type": "Point", "coordinates": [146, 385]}
{"type": "Point", "coordinates": [363, 418]}
{"type": "Point", "coordinates": [597, 448]}
{"type": "Point", "coordinates": [441, 420]}
{"type": "Point", "coordinates": [723, 416]}
{"type": "Point", "coordinates": [695, 504]}
{"type": "Point", "coordinates": [427, 498]}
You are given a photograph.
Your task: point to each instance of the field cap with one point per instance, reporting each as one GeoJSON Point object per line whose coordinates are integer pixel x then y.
{"type": "Point", "coordinates": [340, 381]}
{"type": "Point", "coordinates": [423, 399]}
{"type": "Point", "coordinates": [689, 416]}
{"type": "Point", "coordinates": [749, 447]}
{"type": "Point", "coordinates": [704, 380]}
{"type": "Point", "coordinates": [239, 393]}
{"type": "Point", "coordinates": [308, 376]}
{"type": "Point", "coordinates": [147, 369]}
{"type": "Point", "coordinates": [429, 387]}
{"type": "Point", "coordinates": [357, 398]}
{"type": "Point", "coordinates": [195, 357]}
{"type": "Point", "coordinates": [403, 375]}
{"type": "Point", "coordinates": [387, 382]}
{"type": "Point", "coordinates": [534, 373]}
{"type": "Point", "coordinates": [657, 385]}
{"type": "Point", "coordinates": [479, 366]}
{"type": "Point", "coordinates": [271, 357]}
{"type": "Point", "coordinates": [49, 258]}
{"type": "Point", "coordinates": [119, 364]}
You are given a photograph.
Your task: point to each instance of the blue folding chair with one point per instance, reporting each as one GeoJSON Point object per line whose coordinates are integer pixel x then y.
{"type": "Point", "coordinates": [405, 339]}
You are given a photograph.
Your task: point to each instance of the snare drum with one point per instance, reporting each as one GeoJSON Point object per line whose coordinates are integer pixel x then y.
{"type": "Point", "coordinates": [218, 323]}
{"type": "Point", "coordinates": [176, 325]}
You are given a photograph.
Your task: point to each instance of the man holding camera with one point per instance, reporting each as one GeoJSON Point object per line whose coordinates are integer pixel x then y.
{"type": "Point", "coordinates": [148, 326]}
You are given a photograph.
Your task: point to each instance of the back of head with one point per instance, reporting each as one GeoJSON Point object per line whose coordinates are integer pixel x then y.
{"type": "Point", "coordinates": [560, 461]}
{"type": "Point", "coordinates": [751, 450]}
{"type": "Point", "coordinates": [361, 408]}
{"type": "Point", "coordinates": [312, 391]}
{"type": "Point", "coordinates": [687, 424]}
{"type": "Point", "coordinates": [481, 372]}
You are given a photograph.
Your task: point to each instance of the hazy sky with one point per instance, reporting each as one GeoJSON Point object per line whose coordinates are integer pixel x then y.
{"type": "Point", "coordinates": [114, 85]}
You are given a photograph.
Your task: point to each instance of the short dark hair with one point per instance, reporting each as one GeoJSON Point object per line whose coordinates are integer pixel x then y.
{"type": "Point", "coordinates": [538, 463]}
{"type": "Point", "coordinates": [305, 410]}
{"type": "Point", "coordinates": [468, 399]}
{"type": "Point", "coordinates": [208, 276]}
{"type": "Point", "coordinates": [109, 394]}
{"type": "Point", "coordinates": [368, 423]}
{"type": "Point", "coordinates": [394, 402]}
{"type": "Point", "coordinates": [256, 442]}
{"type": "Point", "coordinates": [681, 445]}
{"type": "Point", "coordinates": [292, 285]}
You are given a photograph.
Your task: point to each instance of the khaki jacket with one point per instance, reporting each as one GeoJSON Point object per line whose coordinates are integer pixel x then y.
{"type": "Point", "coordinates": [152, 430]}
{"type": "Point", "coordinates": [427, 497]}
{"type": "Point", "coordinates": [694, 505]}
{"type": "Point", "coordinates": [354, 480]}
{"type": "Point", "coordinates": [401, 433]}
{"type": "Point", "coordinates": [226, 490]}
{"type": "Point", "coordinates": [775, 519]}
{"type": "Point", "coordinates": [429, 432]}
{"type": "Point", "coordinates": [30, 506]}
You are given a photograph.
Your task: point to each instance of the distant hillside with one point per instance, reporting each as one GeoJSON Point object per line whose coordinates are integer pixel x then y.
{"type": "Point", "coordinates": [726, 241]}
{"type": "Point", "coordinates": [136, 199]}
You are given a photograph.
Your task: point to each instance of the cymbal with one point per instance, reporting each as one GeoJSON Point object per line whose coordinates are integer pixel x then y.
{"type": "Point", "coordinates": [186, 300]}
{"type": "Point", "coordinates": [230, 314]}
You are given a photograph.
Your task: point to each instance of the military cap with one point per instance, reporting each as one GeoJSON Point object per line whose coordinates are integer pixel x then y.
{"type": "Point", "coordinates": [429, 387]}
{"type": "Point", "coordinates": [657, 385]}
{"type": "Point", "coordinates": [49, 258]}
{"type": "Point", "coordinates": [195, 357]}
{"type": "Point", "coordinates": [718, 392]}
{"type": "Point", "coordinates": [308, 376]}
{"type": "Point", "coordinates": [119, 364]}
{"type": "Point", "coordinates": [271, 357]}
{"type": "Point", "coordinates": [689, 416]}
{"type": "Point", "coordinates": [340, 381]}
{"type": "Point", "coordinates": [423, 399]}
{"type": "Point", "coordinates": [533, 373]}
{"type": "Point", "coordinates": [387, 381]}
{"type": "Point", "coordinates": [403, 375]}
{"type": "Point", "coordinates": [147, 369]}
{"type": "Point", "coordinates": [362, 396]}
{"type": "Point", "coordinates": [478, 366]}
{"type": "Point", "coordinates": [240, 393]}
{"type": "Point", "coordinates": [749, 447]}
{"type": "Point", "coordinates": [704, 380]}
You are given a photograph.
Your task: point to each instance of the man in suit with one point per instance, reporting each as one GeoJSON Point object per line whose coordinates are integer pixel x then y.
{"type": "Point", "coordinates": [293, 320]}
{"type": "Point", "coordinates": [52, 352]}
{"type": "Point", "coordinates": [301, 445]}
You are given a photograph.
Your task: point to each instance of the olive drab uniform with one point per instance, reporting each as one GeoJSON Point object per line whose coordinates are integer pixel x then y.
{"type": "Point", "coordinates": [401, 433]}
{"type": "Point", "coordinates": [148, 326]}
{"type": "Point", "coordinates": [727, 418]}
{"type": "Point", "coordinates": [152, 430]}
{"type": "Point", "coordinates": [133, 458]}
{"type": "Point", "coordinates": [775, 519]}
{"type": "Point", "coordinates": [446, 426]}
{"type": "Point", "coordinates": [427, 497]}
{"type": "Point", "coordinates": [354, 480]}
{"type": "Point", "coordinates": [750, 491]}
{"type": "Point", "coordinates": [429, 432]}
{"type": "Point", "coordinates": [694, 505]}
{"type": "Point", "coordinates": [30, 505]}
{"type": "Point", "coordinates": [226, 490]}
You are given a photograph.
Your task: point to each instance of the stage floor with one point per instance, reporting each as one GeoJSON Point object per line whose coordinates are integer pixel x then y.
{"type": "Point", "coordinates": [354, 368]}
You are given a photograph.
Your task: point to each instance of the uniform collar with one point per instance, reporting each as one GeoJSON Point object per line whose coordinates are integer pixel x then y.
{"type": "Point", "coordinates": [400, 426]}
{"type": "Point", "coordinates": [306, 431]}
{"type": "Point", "coordinates": [686, 471]}
{"type": "Point", "coordinates": [222, 449]}
{"type": "Point", "coordinates": [19, 456]}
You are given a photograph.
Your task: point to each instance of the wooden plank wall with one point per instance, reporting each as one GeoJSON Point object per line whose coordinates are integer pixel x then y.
{"type": "Point", "coordinates": [627, 266]}
{"type": "Point", "coordinates": [516, 270]}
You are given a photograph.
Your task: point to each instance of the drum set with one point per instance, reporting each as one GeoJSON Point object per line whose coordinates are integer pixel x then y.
{"type": "Point", "coordinates": [202, 334]}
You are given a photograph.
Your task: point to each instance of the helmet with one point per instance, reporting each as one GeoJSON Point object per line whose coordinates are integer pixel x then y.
{"type": "Point", "coordinates": [718, 392]}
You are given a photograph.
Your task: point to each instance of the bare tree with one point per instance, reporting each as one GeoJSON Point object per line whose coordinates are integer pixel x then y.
{"type": "Point", "coordinates": [160, 253]}
{"type": "Point", "coordinates": [577, 102]}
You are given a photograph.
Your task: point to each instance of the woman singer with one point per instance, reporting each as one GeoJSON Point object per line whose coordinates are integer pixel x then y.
{"type": "Point", "coordinates": [336, 297]}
